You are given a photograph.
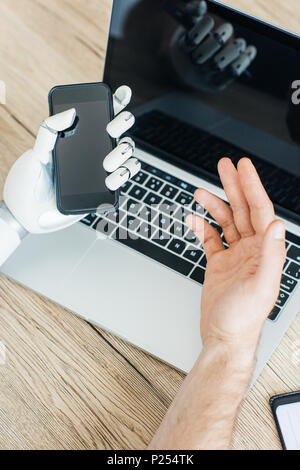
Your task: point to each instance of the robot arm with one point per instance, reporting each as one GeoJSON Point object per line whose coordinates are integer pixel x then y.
{"type": "Point", "coordinates": [29, 204]}
{"type": "Point", "coordinates": [11, 233]}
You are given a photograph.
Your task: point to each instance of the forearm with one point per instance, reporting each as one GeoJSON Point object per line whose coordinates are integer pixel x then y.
{"type": "Point", "coordinates": [203, 414]}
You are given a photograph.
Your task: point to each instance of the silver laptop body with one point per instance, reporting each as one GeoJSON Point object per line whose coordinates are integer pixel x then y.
{"type": "Point", "coordinates": [130, 293]}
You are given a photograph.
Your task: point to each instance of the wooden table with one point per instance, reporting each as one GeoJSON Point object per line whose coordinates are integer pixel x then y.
{"type": "Point", "coordinates": [67, 384]}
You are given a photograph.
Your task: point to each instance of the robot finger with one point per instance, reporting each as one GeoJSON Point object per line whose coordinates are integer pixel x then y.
{"type": "Point", "coordinates": [119, 177]}
{"type": "Point", "coordinates": [120, 124]}
{"type": "Point", "coordinates": [60, 122]}
{"type": "Point", "coordinates": [119, 155]}
{"type": "Point", "coordinates": [242, 63]}
{"type": "Point", "coordinates": [48, 132]}
{"type": "Point", "coordinates": [121, 98]}
{"type": "Point", "coordinates": [212, 44]}
{"type": "Point", "coordinates": [230, 53]}
{"type": "Point", "coordinates": [196, 8]}
{"type": "Point", "coordinates": [199, 32]}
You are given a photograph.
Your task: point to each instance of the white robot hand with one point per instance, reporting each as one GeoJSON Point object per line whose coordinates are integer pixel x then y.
{"type": "Point", "coordinates": [207, 57]}
{"type": "Point", "coordinates": [29, 204]}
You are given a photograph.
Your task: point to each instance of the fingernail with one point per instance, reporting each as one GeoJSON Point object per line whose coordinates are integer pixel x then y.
{"type": "Point", "coordinates": [279, 232]}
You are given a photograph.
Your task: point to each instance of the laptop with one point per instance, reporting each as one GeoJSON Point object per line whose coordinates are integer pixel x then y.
{"type": "Point", "coordinates": [145, 287]}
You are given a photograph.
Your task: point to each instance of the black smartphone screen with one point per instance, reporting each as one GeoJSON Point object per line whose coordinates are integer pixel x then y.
{"type": "Point", "coordinates": [80, 175]}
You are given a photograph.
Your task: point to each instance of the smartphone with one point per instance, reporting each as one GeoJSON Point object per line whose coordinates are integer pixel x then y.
{"type": "Point", "coordinates": [79, 153]}
{"type": "Point", "coordinates": [286, 412]}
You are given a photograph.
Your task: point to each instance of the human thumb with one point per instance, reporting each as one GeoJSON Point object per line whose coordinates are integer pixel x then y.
{"type": "Point", "coordinates": [272, 258]}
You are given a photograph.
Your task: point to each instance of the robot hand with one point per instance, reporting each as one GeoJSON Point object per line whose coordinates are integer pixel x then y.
{"type": "Point", "coordinates": [29, 204]}
{"type": "Point", "coordinates": [206, 56]}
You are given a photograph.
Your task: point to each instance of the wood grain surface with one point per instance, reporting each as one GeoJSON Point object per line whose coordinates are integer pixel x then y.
{"type": "Point", "coordinates": [66, 384]}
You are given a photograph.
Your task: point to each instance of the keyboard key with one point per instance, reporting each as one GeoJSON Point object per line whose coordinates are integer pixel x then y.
{"type": "Point", "coordinates": [291, 237]}
{"type": "Point", "coordinates": [104, 227]}
{"type": "Point", "coordinates": [198, 210]}
{"type": "Point", "coordinates": [203, 262]}
{"type": "Point", "coordinates": [293, 270]}
{"type": "Point", "coordinates": [159, 254]}
{"type": "Point", "coordinates": [137, 192]}
{"type": "Point", "coordinates": [140, 178]}
{"type": "Point", "coordinates": [161, 237]}
{"type": "Point", "coordinates": [191, 237]}
{"type": "Point", "coordinates": [169, 178]}
{"type": "Point", "coordinates": [169, 191]}
{"type": "Point", "coordinates": [133, 207]}
{"type": "Point", "coordinates": [123, 234]}
{"type": "Point", "coordinates": [131, 223]}
{"type": "Point", "coordinates": [275, 313]}
{"type": "Point", "coordinates": [89, 219]}
{"type": "Point", "coordinates": [153, 199]}
{"type": "Point", "coordinates": [126, 187]}
{"type": "Point", "coordinates": [146, 230]}
{"type": "Point", "coordinates": [182, 214]}
{"type": "Point", "coordinates": [154, 184]}
{"type": "Point", "coordinates": [282, 299]}
{"type": "Point", "coordinates": [144, 165]}
{"type": "Point", "coordinates": [288, 284]}
{"type": "Point", "coordinates": [198, 275]}
{"type": "Point", "coordinates": [184, 199]}
{"type": "Point", "coordinates": [182, 184]}
{"type": "Point", "coordinates": [193, 255]}
{"type": "Point", "coordinates": [185, 186]}
{"type": "Point", "coordinates": [168, 207]}
{"type": "Point", "coordinates": [178, 229]}
{"type": "Point", "coordinates": [147, 214]}
{"type": "Point", "coordinates": [294, 253]}
{"type": "Point", "coordinates": [116, 216]}
{"type": "Point", "coordinates": [163, 221]}
{"type": "Point", "coordinates": [154, 171]}
{"type": "Point", "coordinates": [177, 246]}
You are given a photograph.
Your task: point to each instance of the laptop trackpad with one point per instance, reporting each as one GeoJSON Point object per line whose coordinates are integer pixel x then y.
{"type": "Point", "coordinates": [137, 299]}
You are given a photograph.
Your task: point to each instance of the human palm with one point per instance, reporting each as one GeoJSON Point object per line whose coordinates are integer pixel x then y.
{"type": "Point", "coordinates": [241, 282]}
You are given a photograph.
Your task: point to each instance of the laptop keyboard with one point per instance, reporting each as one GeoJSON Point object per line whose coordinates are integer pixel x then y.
{"type": "Point", "coordinates": [151, 221]}
{"type": "Point", "coordinates": [204, 150]}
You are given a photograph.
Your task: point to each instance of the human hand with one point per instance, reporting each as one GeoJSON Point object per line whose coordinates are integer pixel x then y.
{"type": "Point", "coordinates": [242, 282]}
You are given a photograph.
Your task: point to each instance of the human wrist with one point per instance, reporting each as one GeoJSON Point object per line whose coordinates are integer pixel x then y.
{"type": "Point", "coordinates": [239, 341]}
{"type": "Point", "coordinates": [234, 358]}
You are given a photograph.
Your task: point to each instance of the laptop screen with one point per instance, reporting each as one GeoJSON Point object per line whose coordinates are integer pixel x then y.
{"type": "Point", "coordinates": [211, 84]}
